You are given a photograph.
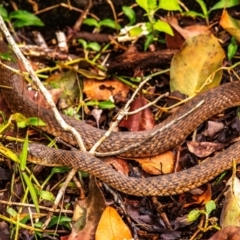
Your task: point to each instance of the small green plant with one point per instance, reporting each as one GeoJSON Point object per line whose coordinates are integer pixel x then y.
{"type": "Point", "coordinates": [209, 223]}
{"type": "Point", "coordinates": [151, 7]}
{"type": "Point", "coordinates": [103, 23]}
{"type": "Point", "coordinates": [20, 18]}
{"type": "Point", "coordinates": [205, 13]}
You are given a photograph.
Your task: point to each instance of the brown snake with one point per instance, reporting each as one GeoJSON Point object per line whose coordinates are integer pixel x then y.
{"type": "Point", "coordinates": [152, 142]}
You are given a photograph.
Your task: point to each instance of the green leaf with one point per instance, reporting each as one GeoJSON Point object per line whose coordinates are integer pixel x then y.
{"type": "Point", "coordinates": [94, 46]}
{"type": "Point", "coordinates": [136, 31]}
{"type": "Point", "coordinates": [4, 13]}
{"type": "Point", "coordinates": [83, 43]}
{"type": "Point", "coordinates": [7, 57]}
{"type": "Point", "coordinates": [91, 22]}
{"type": "Point", "coordinates": [21, 121]}
{"type": "Point", "coordinates": [148, 41]}
{"type": "Point", "coordinates": [62, 220]}
{"type": "Point", "coordinates": [106, 105]}
{"type": "Point", "coordinates": [60, 170]}
{"type": "Point", "coordinates": [12, 212]}
{"type": "Point", "coordinates": [147, 5]}
{"type": "Point", "coordinates": [232, 48]}
{"type": "Point", "coordinates": [24, 18]}
{"type": "Point", "coordinates": [193, 14]}
{"type": "Point", "coordinates": [37, 122]}
{"type": "Point", "coordinates": [163, 27]}
{"type": "Point", "coordinates": [109, 23]}
{"type": "Point", "coordinates": [46, 195]}
{"type": "Point", "coordinates": [224, 4]}
{"type": "Point", "coordinates": [24, 154]}
{"type": "Point", "coordinates": [193, 215]}
{"type": "Point", "coordinates": [169, 5]}
{"type": "Point", "coordinates": [129, 12]}
{"type": "Point", "coordinates": [203, 7]}
{"type": "Point", "coordinates": [32, 191]}
{"type": "Point", "coordinates": [210, 206]}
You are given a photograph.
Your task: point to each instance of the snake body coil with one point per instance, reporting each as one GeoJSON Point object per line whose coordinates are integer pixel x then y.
{"type": "Point", "coordinates": [152, 142]}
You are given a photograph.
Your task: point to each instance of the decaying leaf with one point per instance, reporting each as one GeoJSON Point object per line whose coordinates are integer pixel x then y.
{"type": "Point", "coordinates": [204, 149]}
{"type": "Point", "coordinates": [66, 88]}
{"type": "Point", "coordinates": [142, 120]}
{"type": "Point", "coordinates": [231, 25]}
{"type": "Point", "coordinates": [87, 213]}
{"type": "Point", "coordinates": [105, 90]}
{"type": "Point", "coordinates": [193, 68]}
{"type": "Point", "coordinates": [231, 209]}
{"type": "Point", "coordinates": [160, 164]}
{"type": "Point", "coordinates": [112, 227]}
{"type": "Point", "coordinates": [227, 233]}
{"type": "Point", "coordinates": [189, 31]}
{"type": "Point", "coordinates": [213, 128]}
{"type": "Point", "coordinates": [202, 199]}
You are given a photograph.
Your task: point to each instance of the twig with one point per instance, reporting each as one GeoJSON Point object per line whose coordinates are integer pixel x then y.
{"type": "Point", "coordinates": [118, 119]}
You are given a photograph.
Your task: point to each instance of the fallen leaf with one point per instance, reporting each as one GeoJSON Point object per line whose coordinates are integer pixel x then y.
{"type": "Point", "coordinates": [204, 149]}
{"type": "Point", "coordinates": [202, 199]}
{"type": "Point", "coordinates": [227, 233]}
{"type": "Point", "coordinates": [119, 164]}
{"type": "Point", "coordinates": [231, 208]}
{"type": "Point", "coordinates": [231, 25]}
{"type": "Point", "coordinates": [213, 128]}
{"type": "Point", "coordinates": [196, 63]}
{"type": "Point", "coordinates": [105, 90]}
{"type": "Point", "coordinates": [66, 88]}
{"type": "Point", "coordinates": [142, 120]}
{"type": "Point", "coordinates": [87, 214]}
{"type": "Point", "coordinates": [189, 31]}
{"type": "Point", "coordinates": [112, 227]}
{"type": "Point", "coordinates": [160, 164]}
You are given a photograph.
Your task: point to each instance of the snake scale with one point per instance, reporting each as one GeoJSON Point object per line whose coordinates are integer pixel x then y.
{"type": "Point", "coordinates": [152, 142]}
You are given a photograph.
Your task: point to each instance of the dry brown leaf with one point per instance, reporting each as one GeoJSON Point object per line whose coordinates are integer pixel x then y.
{"type": "Point", "coordinates": [227, 233]}
{"type": "Point", "coordinates": [112, 227]}
{"type": "Point", "coordinates": [204, 149]}
{"type": "Point", "coordinates": [161, 164]}
{"type": "Point", "coordinates": [104, 90]}
{"type": "Point", "coordinates": [140, 121]}
{"type": "Point", "coordinates": [213, 128]}
{"type": "Point", "coordinates": [119, 164]}
{"type": "Point", "coordinates": [87, 214]}
{"type": "Point", "coordinates": [189, 31]}
{"type": "Point", "coordinates": [202, 199]}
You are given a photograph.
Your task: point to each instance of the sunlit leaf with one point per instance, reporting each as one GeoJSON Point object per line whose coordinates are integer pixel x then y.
{"type": "Point", "coordinates": [109, 23]}
{"type": "Point", "coordinates": [224, 4]}
{"type": "Point", "coordinates": [24, 18]}
{"type": "Point", "coordinates": [91, 22]}
{"type": "Point", "coordinates": [4, 13]}
{"type": "Point", "coordinates": [129, 12]}
{"type": "Point", "coordinates": [169, 5]}
{"type": "Point", "coordinates": [163, 27]}
{"type": "Point", "coordinates": [111, 226]}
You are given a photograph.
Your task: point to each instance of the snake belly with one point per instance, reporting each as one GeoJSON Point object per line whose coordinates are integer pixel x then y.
{"type": "Point", "coordinates": [151, 142]}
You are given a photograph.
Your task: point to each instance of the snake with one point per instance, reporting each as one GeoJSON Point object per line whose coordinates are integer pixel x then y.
{"type": "Point", "coordinates": [165, 135]}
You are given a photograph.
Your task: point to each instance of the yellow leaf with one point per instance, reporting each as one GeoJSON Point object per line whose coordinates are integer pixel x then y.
{"type": "Point", "coordinates": [231, 25]}
{"type": "Point", "coordinates": [112, 227]}
{"type": "Point", "coordinates": [196, 63]}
